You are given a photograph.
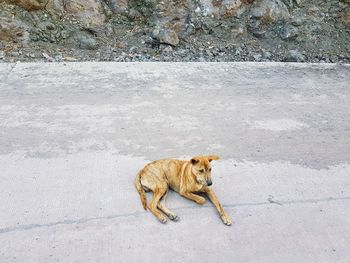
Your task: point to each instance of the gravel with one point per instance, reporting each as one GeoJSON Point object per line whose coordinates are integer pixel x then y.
{"type": "Point", "coordinates": [270, 30]}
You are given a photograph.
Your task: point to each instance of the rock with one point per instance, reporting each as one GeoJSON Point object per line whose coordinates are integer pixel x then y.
{"type": "Point", "coordinates": [2, 54]}
{"type": "Point", "coordinates": [89, 13]}
{"type": "Point", "coordinates": [29, 5]}
{"type": "Point", "coordinates": [225, 8]}
{"type": "Point", "coordinates": [155, 33]}
{"type": "Point", "coordinates": [133, 49]}
{"type": "Point", "coordinates": [298, 20]}
{"type": "Point", "coordinates": [238, 31]}
{"type": "Point", "coordinates": [187, 30]}
{"type": "Point", "coordinates": [167, 36]}
{"type": "Point", "coordinates": [118, 6]}
{"type": "Point", "coordinates": [85, 41]}
{"type": "Point", "coordinates": [256, 28]}
{"type": "Point", "coordinates": [345, 13]}
{"type": "Point", "coordinates": [257, 57]}
{"type": "Point", "coordinates": [208, 52]}
{"type": "Point", "coordinates": [238, 51]}
{"type": "Point", "coordinates": [289, 32]}
{"type": "Point", "coordinates": [70, 59]}
{"type": "Point", "coordinates": [168, 49]}
{"type": "Point", "coordinates": [267, 55]}
{"type": "Point", "coordinates": [12, 28]}
{"type": "Point", "coordinates": [59, 58]}
{"type": "Point", "coordinates": [269, 11]}
{"type": "Point", "coordinates": [259, 33]}
{"type": "Point", "coordinates": [14, 54]}
{"type": "Point", "coordinates": [48, 58]}
{"type": "Point", "coordinates": [294, 56]}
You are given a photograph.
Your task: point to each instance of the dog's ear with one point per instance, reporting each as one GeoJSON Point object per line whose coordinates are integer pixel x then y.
{"type": "Point", "coordinates": [212, 157]}
{"type": "Point", "coordinates": [194, 161]}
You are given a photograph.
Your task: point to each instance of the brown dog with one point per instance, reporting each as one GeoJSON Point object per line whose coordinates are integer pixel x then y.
{"type": "Point", "coordinates": [185, 177]}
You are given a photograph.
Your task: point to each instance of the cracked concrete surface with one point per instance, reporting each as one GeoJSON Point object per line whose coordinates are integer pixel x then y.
{"type": "Point", "coordinates": [73, 136]}
{"type": "Point", "coordinates": [138, 213]}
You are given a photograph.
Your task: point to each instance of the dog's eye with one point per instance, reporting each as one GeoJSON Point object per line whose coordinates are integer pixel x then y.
{"type": "Point", "coordinates": [209, 169]}
{"type": "Point", "coordinates": [201, 171]}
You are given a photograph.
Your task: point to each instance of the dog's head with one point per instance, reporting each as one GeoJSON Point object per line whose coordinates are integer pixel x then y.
{"type": "Point", "coordinates": [201, 168]}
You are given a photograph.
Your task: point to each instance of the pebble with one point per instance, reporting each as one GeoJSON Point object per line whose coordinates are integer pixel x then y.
{"type": "Point", "coordinates": [49, 58]}
{"type": "Point", "coordinates": [294, 56]}
{"type": "Point", "coordinates": [289, 32]}
{"type": "Point", "coordinates": [168, 49]}
{"type": "Point", "coordinates": [58, 57]}
{"type": "Point", "coordinates": [257, 57]}
{"type": "Point", "coordinates": [30, 55]}
{"type": "Point", "coordinates": [267, 55]}
{"type": "Point", "coordinates": [133, 49]}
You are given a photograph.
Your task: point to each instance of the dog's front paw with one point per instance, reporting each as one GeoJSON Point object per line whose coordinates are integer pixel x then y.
{"type": "Point", "coordinates": [226, 220]}
{"type": "Point", "coordinates": [163, 220]}
{"type": "Point", "coordinates": [174, 217]}
{"type": "Point", "coordinates": [200, 200]}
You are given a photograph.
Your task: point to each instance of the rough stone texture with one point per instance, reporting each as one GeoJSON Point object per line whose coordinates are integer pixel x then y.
{"type": "Point", "coordinates": [29, 5]}
{"type": "Point", "coordinates": [85, 41]}
{"type": "Point", "coordinates": [226, 8]}
{"type": "Point", "coordinates": [167, 36]}
{"type": "Point", "coordinates": [13, 29]}
{"type": "Point", "coordinates": [294, 56]}
{"type": "Point", "coordinates": [269, 10]}
{"type": "Point", "coordinates": [229, 30]}
{"type": "Point", "coordinates": [87, 12]}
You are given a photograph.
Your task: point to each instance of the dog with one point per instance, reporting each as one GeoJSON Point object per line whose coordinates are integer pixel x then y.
{"type": "Point", "coordinates": [188, 178]}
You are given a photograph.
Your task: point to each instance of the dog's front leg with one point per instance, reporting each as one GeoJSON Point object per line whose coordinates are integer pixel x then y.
{"type": "Point", "coordinates": [224, 216]}
{"type": "Point", "coordinates": [198, 199]}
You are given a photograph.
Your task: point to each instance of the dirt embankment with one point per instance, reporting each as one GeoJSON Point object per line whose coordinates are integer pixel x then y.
{"type": "Point", "coordinates": [176, 30]}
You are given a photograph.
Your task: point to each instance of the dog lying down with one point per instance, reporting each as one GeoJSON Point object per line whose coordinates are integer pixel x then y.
{"type": "Point", "coordinates": [185, 177]}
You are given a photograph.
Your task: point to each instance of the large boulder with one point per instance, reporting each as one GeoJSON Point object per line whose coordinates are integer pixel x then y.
{"type": "Point", "coordinates": [269, 11]}
{"type": "Point", "coordinates": [14, 25]}
{"type": "Point", "coordinates": [118, 6]}
{"type": "Point", "coordinates": [29, 5]}
{"type": "Point", "coordinates": [345, 13]}
{"type": "Point", "coordinates": [221, 8]}
{"type": "Point", "coordinates": [89, 13]}
{"type": "Point", "coordinates": [166, 36]}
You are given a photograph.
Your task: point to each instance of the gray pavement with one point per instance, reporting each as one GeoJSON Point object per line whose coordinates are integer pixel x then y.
{"type": "Point", "coordinates": [73, 136]}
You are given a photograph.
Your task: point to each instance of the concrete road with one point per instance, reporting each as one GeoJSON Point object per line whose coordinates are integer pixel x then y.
{"type": "Point", "coordinates": [73, 136]}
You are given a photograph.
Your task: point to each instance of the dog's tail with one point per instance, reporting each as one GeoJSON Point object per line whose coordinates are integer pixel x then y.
{"type": "Point", "coordinates": [141, 190]}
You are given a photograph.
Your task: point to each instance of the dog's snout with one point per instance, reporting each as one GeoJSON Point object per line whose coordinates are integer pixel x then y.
{"type": "Point", "coordinates": [209, 182]}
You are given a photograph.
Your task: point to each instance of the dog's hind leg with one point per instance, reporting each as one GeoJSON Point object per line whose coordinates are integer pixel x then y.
{"type": "Point", "coordinates": [162, 206]}
{"type": "Point", "coordinates": [153, 205]}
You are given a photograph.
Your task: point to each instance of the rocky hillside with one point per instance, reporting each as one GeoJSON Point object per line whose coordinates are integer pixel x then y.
{"type": "Point", "coordinates": [175, 30]}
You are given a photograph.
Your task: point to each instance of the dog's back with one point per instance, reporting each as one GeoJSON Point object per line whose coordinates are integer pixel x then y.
{"type": "Point", "coordinates": [161, 172]}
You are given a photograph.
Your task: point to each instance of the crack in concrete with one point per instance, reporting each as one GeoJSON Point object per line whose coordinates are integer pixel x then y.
{"type": "Point", "coordinates": [86, 220]}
